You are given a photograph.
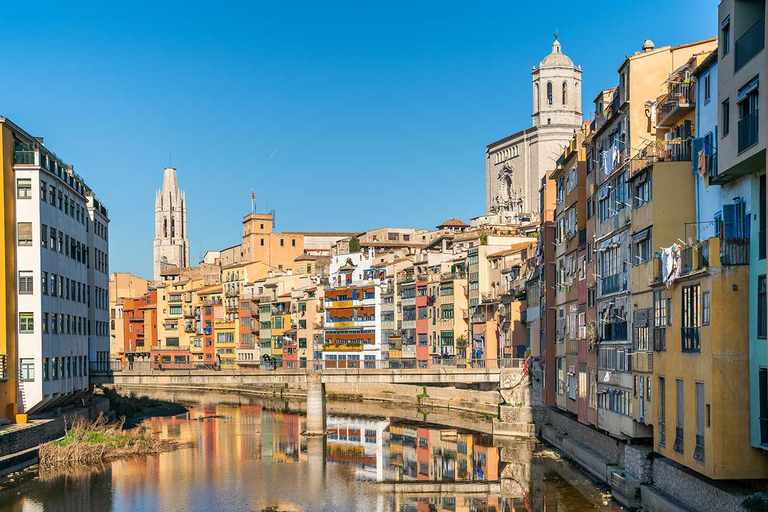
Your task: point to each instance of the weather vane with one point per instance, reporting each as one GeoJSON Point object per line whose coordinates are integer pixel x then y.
{"type": "Point", "coordinates": [556, 34]}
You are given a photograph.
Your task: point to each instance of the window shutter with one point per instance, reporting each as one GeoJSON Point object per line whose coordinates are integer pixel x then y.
{"type": "Point", "coordinates": [729, 221]}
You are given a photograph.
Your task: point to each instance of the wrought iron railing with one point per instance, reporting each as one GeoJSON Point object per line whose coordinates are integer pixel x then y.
{"type": "Point", "coordinates": [679, 439]}
{"type": "Point", "coordinates": [698, 453]}
{"type": "Point", "coordinates": [682, 93]}
{"type": "Point", "coordinates": [659, 339]}
{"type": "Point", "coordinates": [690, 339]}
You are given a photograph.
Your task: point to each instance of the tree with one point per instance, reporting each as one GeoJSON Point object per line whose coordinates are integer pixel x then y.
{"type": "Point", "coordinates": [354, 244]}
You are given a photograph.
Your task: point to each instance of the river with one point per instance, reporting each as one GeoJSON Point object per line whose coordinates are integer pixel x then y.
{"type": "Point", "coordinates": [250, 455]}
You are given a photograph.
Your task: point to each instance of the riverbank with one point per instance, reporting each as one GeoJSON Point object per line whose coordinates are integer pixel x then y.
{"type": "Point", "coordinates": [88, 442]}
{"type": "Point", "coordinates": [134, 408]}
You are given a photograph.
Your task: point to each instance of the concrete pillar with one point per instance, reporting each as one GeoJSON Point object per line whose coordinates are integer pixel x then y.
{"type": "Point", "coordinates": [316, 466]}
{"type": "Point", "coordinates": [315, 403]}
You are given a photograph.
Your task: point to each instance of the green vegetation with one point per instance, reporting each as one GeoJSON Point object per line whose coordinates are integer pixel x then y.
{"type": "Point", "coordinates": [99, 440]}
{"type": "Point", "coordinates": [354, 244]}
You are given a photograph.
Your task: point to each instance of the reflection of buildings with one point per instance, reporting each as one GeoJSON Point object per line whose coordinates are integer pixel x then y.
{"type": "Point", "coordinates": [357, 442]}
{"type": "Point", "coordinates": [430, 454]}
{"type": "Point", "coordinates": [280, 436]}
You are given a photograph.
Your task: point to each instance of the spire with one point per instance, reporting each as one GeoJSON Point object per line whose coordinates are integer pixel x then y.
{"type": "Point", "coordinates": [170, 182]}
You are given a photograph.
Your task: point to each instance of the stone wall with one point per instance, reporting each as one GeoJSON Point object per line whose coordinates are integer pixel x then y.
{"type": "Point", "coordinates": [637, 463]}
{"type": "Point", "coordinates": [39, 431]}
{"type": "Point", "coordinates": [695, 491]}
{"type": "Point", "coordinates": [589, 437]}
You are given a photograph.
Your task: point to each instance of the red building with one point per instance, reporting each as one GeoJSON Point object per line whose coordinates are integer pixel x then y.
{"type": "Point", "coordinates": [422, 325]}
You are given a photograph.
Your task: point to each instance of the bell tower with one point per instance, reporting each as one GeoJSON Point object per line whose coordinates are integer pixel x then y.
{"type": "Point", "coordinates": [171, 246]}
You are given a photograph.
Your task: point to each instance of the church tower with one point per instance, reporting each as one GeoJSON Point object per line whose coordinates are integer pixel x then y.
{"type": "Point", "coordinates": [556, 90]}
{"type": "Point", "coordinates": [516, 164]}
{"type": "Point", "coordinates": [171, 246]}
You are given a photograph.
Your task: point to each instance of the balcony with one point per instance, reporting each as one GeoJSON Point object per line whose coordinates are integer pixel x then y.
{"type": "Point", "coordinates": [615, 331]}
{"type": "Point", "coordinates": [734, 251]}
{"type": "Point", "coordinates": [659, 339]}
{"type": "Point", "coordinates": [674, 106]}
{"type": "Point", "coordinates": [750, 44]}
{"type": "Point", "coordinates": [488, 298]}
{"type": "Point", "coordinates": [698, 453]}
{"type": "Point", "coordinates": [188, 327]}
{"type": "Point", "coordinates": [748, 130]}
{"type": "Point", "coordinates": [679, 439]}
{"type": "Point", "coordinates": [21, 157]}
{"type": "Point", "coordinates": [691, 339]}
{"type": "Point", "coordinates": [210, 303]}
{"type": "Point", "coordinates": [611, 284]}
{"type": "Point", "coordinates": [190, 313]}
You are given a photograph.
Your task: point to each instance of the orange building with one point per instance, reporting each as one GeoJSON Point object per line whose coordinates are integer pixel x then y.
{"type": "Point", "coordinates": [260, 243]}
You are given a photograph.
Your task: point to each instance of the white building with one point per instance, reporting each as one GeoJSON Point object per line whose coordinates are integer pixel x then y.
{"type": "Point", "coordinates": [352, 333]}
{"type": "Point", "coordinates": [171, 246]}
{"type": "Point", "coordinates": [62, 255]}
{"type": "Point", "coordinates": [515, 164]}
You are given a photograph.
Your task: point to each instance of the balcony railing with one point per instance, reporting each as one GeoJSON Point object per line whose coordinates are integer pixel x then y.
{"type": "Point", "coordinates": [611, 284]}
{"type": "Point", "coordinates": [748, 130]}
{"type": "Point", "coordinates": [749, 44]}
{"type": "Point", "coordinates": [690, 339]}
{"type": "Point", "coordinates": [679, 439]}
{"type": "Point", "coordinates": [698, 453]}
{"type": "Point", "coordinates": [734, 251]}
{"type": "Point", "coordinates": [615, 331]}
{"type": "Point", "coordinates": [659, 339]}
{"type": "Point", "coordinates": [680, 100]}
{"type": "Point", "coordinates": [3, 366]}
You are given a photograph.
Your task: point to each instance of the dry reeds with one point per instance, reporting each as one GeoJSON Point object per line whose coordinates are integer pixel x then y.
{"type": "Point", "coordinates": [99, 441]}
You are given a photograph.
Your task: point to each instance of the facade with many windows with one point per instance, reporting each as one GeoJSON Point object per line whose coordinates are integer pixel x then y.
{"type": "Point", "coordinates": [62, 274]}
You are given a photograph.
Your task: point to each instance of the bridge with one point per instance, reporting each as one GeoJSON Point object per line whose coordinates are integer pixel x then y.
{"type": "Point", "coordinates": [313, 381]}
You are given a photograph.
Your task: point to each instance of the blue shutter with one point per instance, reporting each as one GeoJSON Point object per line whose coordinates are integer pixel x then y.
{"type": "Point", "coordinates": [729, 221]}
{"type": "Point", "coordinates": [696, 145]}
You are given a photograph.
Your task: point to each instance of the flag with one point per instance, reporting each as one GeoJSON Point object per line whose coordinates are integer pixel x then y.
{"type": "Point", "coordinates": [253, 196]}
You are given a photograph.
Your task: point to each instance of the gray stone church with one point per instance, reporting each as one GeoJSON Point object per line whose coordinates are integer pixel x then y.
{"type": "Point", "coordinates": [515, 164]}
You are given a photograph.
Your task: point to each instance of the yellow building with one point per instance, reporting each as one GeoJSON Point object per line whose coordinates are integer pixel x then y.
{"type": "Point", "coordinates": [8, 341]}
{"type": "Point", "coordinates": [701, 365]}
{"type": "Point", "coordinates": [260, 243]}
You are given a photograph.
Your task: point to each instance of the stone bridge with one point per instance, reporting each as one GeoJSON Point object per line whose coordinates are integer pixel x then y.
{"type": "Point", "coordinates": [506, 380]}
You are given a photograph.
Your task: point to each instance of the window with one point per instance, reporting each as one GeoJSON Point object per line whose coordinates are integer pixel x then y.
{"type": "Point", "coordinates": [26, 323]}
{"type": "Point", "coordinates": [422, 340]}
{"type": "Point", "coordinates": [565, 93]}
{"type": "Point", "coordinates": [172, 342]}
{"type": "Point", "coordinates": [680, 417]}
{"type": "Point", "coordinates": [762, 325]}
{"type": "Point", "coordinates": [27, 370]}
{"type": "Point", "coordinates": [725, 122]}
{"type": "Point", "coordinates": [698, 454]}
{"type": "Point", "coordinates": [175, 309]}
{"type": "Point", "coordinates": [705, 308]}
{"type": "Point", "coordinates": [748, 121]}
{"type": "Point", "coordinates": [43, 192]}
{"type": "Point", "coordinates": [422, 312]}
{"type": "Point", "coordinates": [24, 188]}
{"type": "Point", "coordinates": [25, 233]}
{"type": "Point", "coordinates": [642, 191]}
{"type": "Point", "coordinates": [549, 93]}
{"type": "Point", "coordinates": [707, 88]}
{"type": "Point", "coordinates": [691, 318]}
{"type": "Point", "coordinates": [763, 390]}
{"type": "Point", "coordinates": [25, 282]}
{"type": "Point", "coordinates": [641, 248]}
{"type": "Point", "coordinates": [725, 37]}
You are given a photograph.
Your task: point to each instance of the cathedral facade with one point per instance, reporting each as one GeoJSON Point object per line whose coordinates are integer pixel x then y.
{"type": "Point", "coordinates": [171, 246]}
{"type": "Point", "coordinates": [515, 165]}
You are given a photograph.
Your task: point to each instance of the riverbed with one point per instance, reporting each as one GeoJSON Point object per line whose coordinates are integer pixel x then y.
{"type": "Point", "coordinates": [250, 455]}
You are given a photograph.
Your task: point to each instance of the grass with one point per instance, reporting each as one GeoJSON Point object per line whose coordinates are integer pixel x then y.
{"type": "Point", "coordinates": [99, 441]}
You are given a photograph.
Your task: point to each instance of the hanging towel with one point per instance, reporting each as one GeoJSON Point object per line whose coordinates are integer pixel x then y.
{"type": "Point", "coordinates": [670, 264]}
{"type": "Point", "coordinates": [702, 165]}
{"type": "Point", "coordinates": [615, 155]}
{"type": "Point", "coordinates": [608, 162]}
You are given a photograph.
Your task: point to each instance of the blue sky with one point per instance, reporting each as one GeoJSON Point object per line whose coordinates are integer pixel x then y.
{"type": "Point", "coordinates": [341, 115]}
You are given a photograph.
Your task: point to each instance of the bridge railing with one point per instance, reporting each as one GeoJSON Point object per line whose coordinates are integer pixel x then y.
{"type": "Point", "coordinates": [118, 366]}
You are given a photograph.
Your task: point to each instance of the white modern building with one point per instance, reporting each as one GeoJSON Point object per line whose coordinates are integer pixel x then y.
{"type": "Point", "coordinates": [352, 334]}
{"type": "Point", "coordinates": [62, 255]}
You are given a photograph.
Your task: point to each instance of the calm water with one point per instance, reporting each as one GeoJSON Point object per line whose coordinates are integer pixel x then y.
{"type": "Point", "coordinates": [250, 458]}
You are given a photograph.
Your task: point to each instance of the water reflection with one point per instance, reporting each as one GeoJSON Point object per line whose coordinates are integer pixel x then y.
{"type": "Point", "coordinates": [247, 457]}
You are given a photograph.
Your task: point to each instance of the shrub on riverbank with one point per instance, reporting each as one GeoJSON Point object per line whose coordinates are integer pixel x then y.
{"type": "Point", "coordinates": [100, 440]}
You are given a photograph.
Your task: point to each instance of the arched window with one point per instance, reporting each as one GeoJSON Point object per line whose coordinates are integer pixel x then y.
{"type": "Point", "coordinates": [173, 228]}
{"type": "Point", "coordinates": [165, 227]}
{"type": "Point", "coordinates": [549, 92]}
{"type": "Point", "coordinates": [565, 93]}
{"type": "Point", "coordinates": [536, 97]}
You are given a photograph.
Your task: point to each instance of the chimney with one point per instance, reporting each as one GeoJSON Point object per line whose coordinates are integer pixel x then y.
{"type": "Point", "coordinates": [648, 46]}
